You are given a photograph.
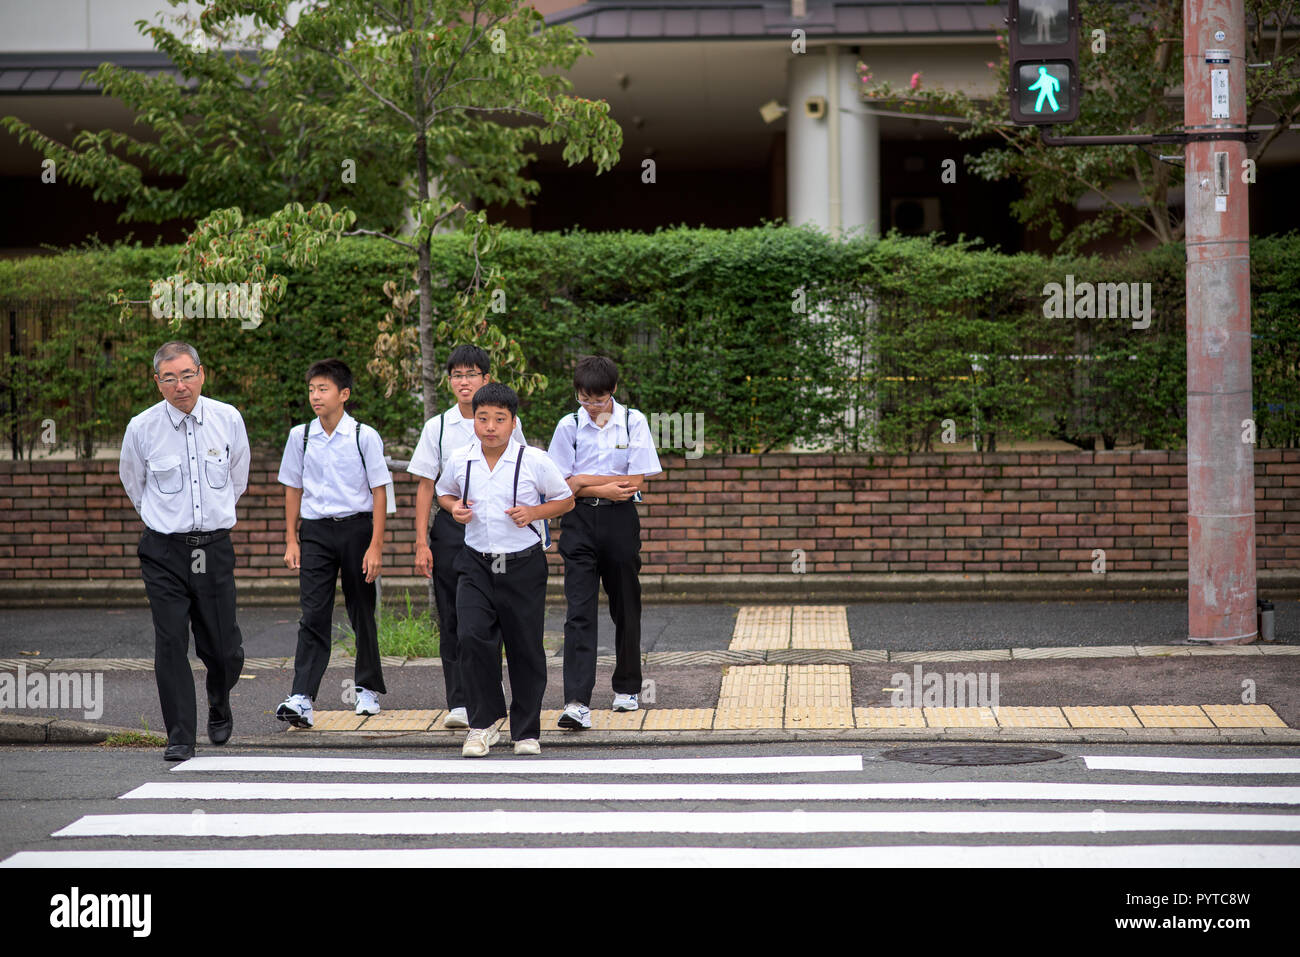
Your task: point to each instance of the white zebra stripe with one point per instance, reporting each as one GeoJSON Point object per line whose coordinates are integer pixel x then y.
{"type": "Point", "coordinates": [896, 856]}
{"type": "Point", "coordinates": [664, 822]}
{"type": "Point", "coordinates": [531, 766]}
{"type": "Point", "coordinates": [1194, 765]}
{"type": "Point", "coordinates": [557, 791]}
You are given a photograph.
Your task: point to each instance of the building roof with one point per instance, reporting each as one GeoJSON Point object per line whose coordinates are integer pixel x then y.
{"type": "Point", "coordinates": [49, 73]}
{"type": "Point", "coordinates": [611, 20]}
{"type": "Point", "coordinates": [761, 19]}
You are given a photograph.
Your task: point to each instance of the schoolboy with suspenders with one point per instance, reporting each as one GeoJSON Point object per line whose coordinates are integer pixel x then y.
{"type": "Point", "coordinates": [335, 503]}
{"type": "Point", "coordinates": [605, 453]}
{"type": "Point", "coordinates": [495, 487]}
{"type": "Point", "coordinates": [438, 546]}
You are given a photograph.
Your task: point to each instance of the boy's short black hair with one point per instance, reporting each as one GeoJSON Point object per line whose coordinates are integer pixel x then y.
{"type": "Point", "coordinates": [497, 394]}
{"type": "Point", "coordinates": [595, 375]}
{"type": "Point", "coordinates": [336, 370]}
{"type": "Point", "coordinates": [473, 356]}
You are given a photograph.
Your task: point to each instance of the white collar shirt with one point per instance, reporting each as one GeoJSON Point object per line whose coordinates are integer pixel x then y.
{"type": "Point", "coordinates": [491, 492]}
{"type": "Point", "coordinates": [185, 472]}
{"type": "Point", "coordinates": [623, 447]}
{"type": "Point", "coordinates": [444, 434]}
{"type": "Point", "coordinates": [330, 473]}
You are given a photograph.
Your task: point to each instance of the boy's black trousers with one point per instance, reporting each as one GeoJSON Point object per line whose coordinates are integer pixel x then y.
{"type": "Point", "coordinates": [601, 544]}
{"type": "Point", "coordinates": [328, 547]}
{"type": "Point", "coordinates": [190, 581]}
{"type": "Point", "coordinates": [509, 592]}
{"type": "Point", "coordinates": [446, 539]}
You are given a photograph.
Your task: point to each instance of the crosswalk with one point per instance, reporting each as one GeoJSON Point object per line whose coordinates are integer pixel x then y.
{"type": "Point", "coordinates": [1084, 811]}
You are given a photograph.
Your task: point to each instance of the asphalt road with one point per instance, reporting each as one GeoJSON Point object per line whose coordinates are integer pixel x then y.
{"type": "Point", "coordinates": [900, 626]}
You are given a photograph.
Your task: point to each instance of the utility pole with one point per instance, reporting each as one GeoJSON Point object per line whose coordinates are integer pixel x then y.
{"type": "Point", "coordinates": [1220, 426]}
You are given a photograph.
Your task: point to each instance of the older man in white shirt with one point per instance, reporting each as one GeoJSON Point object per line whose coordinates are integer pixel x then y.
{"type": "Point", "coordinates": [184, 465]}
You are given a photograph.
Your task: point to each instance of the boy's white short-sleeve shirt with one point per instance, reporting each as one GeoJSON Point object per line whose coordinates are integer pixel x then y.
{"type": "Point", "coordinates": [623, 447]}
{"type": "Point", "coordinates": [491, 492]}
{"type": "Point", "coordinates": [329, 470]}
{"type": "Point", "coordinates": [457, 432]}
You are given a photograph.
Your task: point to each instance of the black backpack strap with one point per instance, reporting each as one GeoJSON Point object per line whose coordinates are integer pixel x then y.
{"type": "Point", "coordinates": [464, 495]}
{"type": "Point", "coordinates": [306, 432]}
{"type": "Point", "coordinates": [575, 439]}
{"type": "Point", "coordinates": [364, 473]}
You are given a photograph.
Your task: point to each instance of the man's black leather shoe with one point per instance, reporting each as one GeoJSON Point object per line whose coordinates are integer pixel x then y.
{"type": "Point", "coordinates": [178, 752]}
{"type": "Point", "coordinates": [220, 723]}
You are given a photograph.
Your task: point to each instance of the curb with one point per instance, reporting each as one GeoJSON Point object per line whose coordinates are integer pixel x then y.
{"type": "Point", "coordinates": [859, 588]}
{"type": "Point", "coordinates": [33, 731]}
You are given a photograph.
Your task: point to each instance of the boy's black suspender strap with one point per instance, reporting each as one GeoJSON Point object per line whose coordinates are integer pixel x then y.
{"type": "Point", "coordinates": [514, 496]}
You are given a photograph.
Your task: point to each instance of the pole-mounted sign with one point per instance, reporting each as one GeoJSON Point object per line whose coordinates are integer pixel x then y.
{"type": "Point", "coordinates": [1044, 37]}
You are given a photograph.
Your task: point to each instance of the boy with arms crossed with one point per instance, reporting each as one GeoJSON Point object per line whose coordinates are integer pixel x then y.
{"type": "Point", "coordinates": [605, 452]}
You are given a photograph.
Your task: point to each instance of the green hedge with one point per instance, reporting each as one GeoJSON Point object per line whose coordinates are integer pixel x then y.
{"type": "Point", "coordinates": [895, 337]}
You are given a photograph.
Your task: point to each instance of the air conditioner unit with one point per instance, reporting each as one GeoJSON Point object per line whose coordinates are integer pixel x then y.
{"type": "Point", "coordinates": [915, 215]}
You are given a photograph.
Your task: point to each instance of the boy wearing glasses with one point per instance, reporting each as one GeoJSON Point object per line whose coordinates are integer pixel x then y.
{"type": "Point", "coordinates": [335, 479]}
{"type": "Point", "coordinates": [437, 548]}
{"type": "Point", "coordinates": [605, 452]}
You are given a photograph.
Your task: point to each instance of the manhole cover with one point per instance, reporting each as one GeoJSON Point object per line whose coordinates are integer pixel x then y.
{"type": "Point", "coordinates": [971, 755]}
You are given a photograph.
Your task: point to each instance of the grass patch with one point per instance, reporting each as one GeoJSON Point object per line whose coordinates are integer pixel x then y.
{"type": "Point", "coordinates": [404, 632]}
{"type": "Point", "coordinates": [135, 739]}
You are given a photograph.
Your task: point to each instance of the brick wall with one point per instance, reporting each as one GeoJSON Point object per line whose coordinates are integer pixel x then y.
{"type": "Point", "coordinates": [953, 512]}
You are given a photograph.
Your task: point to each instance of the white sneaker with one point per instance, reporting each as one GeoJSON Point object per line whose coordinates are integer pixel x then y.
{"type": "Point", "coordinates": [528, 746]}
{"type": "Point", "coordinates": [478, 741]}
{"type": "Point", "coordinates": [625, 702]}
{"type": "Point", "coordinates": [296, 709]}
{"type": "Point", "coordinates": [576, 716]}
{"type": "Point", "coordinates": [367, 701]}
{"type": "Point", "coordinates": [456, 718]}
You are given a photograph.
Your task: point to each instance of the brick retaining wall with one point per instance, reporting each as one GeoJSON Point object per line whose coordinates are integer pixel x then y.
{"type": "Point", "coordinates": [1041, 512]}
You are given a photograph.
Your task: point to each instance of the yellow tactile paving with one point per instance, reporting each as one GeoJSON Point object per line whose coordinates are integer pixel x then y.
{"type": "Point", "coordinates": [338, 720]}
{"type": "Point", "coordinates": [1243, 716]}
{"type": "Point", "coordinates": [678, 719]}
{"type": "Point", "coordinates": [960, 718]}
{"type": "Point", "coordinates": [729, 719]}
{"type": "Point", "coordinates": [617, 720]}
{"type": "Point", "coordinates": [821, 627]}
{"type": "Point", "coordinates": [753, 686]}
{"type": "Point", "coordinates": [823, 686]}
{"type": "Point", "coordinates": [1171, 716]}
{"type": "Point", "coordinates": [889, 717]}
{"type": "Point", "coordinates": [801, 717]}
{"type": "Point", "coordinates": [1030, 718]}
{"type": "Point", "coordinates": [1102, 717]}
{"type": "Point", "coordinates": [761, 628]}
{"type": "Point", "coordinates": [402, 721]}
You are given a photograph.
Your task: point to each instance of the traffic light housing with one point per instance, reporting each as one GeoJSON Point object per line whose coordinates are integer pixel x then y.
{"type": "Point", "coordinates": [1044, 46]}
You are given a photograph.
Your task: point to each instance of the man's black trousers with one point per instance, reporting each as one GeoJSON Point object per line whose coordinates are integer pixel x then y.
{"type": "Point", "coordinates": [601, 545]}
{"type": "Point", "coordinates": [326, 548]}
{"type": "Point", "coordinates": [511, 593]}
{"type": "Point", "coordinates": [191, 585]}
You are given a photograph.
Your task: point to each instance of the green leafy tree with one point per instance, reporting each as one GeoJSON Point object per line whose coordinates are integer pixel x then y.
{"type": "Point", "coordinates": [1128, 86]}
{"type": "Point", "coordinates": [240, 123]}
{"type": "Point", "coordinates": [459, 89]}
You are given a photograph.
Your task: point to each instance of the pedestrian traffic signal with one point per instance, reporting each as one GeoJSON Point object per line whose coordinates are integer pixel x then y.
{"type": "Point", "coordinates": [1044, 38]}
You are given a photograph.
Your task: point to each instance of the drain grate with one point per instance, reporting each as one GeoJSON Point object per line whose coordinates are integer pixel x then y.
{"type": "Point", "coordinates": [971, 755]}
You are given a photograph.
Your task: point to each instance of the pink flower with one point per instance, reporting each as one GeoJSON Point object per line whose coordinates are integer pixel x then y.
{"type": "Point", "coordinates": [916, 80]}
{"type": "Point", "coordinates": [990, 64]}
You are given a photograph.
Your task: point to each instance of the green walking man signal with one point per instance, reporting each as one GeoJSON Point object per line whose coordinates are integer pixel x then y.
{"type": "Point", "coordinates": [1044, 44]}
